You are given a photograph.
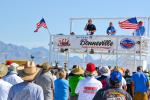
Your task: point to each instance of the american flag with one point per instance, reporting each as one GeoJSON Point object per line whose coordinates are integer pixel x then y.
{"type": "Point", "coordinates": [129, 24]}
{"type": "Point", "coordinates": [40, 24]}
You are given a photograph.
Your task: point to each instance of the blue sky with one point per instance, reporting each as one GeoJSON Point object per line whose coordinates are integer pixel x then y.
{"type": "Point", "coordinates": [18, 18]}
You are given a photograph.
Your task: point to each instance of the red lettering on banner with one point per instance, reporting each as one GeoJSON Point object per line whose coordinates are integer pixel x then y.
{"type": "Point", "coordinates": [63, 42]}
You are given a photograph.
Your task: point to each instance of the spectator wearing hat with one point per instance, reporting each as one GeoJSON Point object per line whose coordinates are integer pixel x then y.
{"type": "Point", "coordinates": [61, 86]}
{"type": "Point", "coordinates": [12, 76]}
{"type": "Point", "coordinates": [71, 74]}
{"type": "Point", "coordinates": [87, 88]}
{"type": "Point", "coordinates": [140, 85]}
{"type": "Point", "coordinates": [104, 76]}
{"type": "Point", "coordinates": [123, 82]}
{"type": "Point", "coordinates": [114, 92]}
{"type": "Point", "coordinates": [45, 80]}
{"type": "Point", "coordinates": [4, 86]}
{"type": "Point", "coordinates": [27, 90]}
{"type": "Point", "coordinates": [77, 75]}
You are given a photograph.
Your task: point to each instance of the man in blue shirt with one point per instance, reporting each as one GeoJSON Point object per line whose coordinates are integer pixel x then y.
{"type": "Point", "coordinates": [61, 86]}
{"type": "Point", "coordinates": [141, 30]}
{"type": "Point", "coordinates": [140, 85]}
{"type": "Point", "coordinates": [111, 29]}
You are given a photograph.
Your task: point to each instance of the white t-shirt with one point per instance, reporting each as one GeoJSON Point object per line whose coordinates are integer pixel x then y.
{"type": "Point", "coordinates": [87, 88]}
{"type": "Point", "coordinates": [4, 89]}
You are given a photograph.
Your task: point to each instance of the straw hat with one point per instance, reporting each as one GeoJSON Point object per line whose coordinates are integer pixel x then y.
{"type": "Point", "coordinates": [3, 70]}
{"type": "Point", "coordinates": [45, 66]}
{"type": "Point", "coordinates": [29, 72]}
{"type": "Point", "coordinates": [78, 71]}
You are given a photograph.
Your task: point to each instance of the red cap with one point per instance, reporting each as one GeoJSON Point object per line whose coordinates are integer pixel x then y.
{"type": "Point", "coordinates": [90, 67]}
{"type": "Point", "coordinates": [9, 62]}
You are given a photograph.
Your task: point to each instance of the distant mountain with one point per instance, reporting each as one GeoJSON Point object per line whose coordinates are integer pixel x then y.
{"type": "Point", "coordinates": [14, 52]}
{"type": "Point", "coordinates": [40, 54]}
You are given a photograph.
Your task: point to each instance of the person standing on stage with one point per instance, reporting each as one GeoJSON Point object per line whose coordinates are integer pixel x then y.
{"type": "Point", "coordinates": [90, 28]}
{"type": "Point", "coordinates": [111, 29]}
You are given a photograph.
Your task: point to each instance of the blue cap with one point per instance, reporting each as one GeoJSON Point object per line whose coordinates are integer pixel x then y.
{"type": "Point", "coordinates": [116, 77]}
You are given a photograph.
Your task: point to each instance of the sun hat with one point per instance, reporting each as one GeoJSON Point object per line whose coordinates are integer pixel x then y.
{"type": "Point", "coordinates": [45, 66]}
{"type": "Point", "coordinates": [91, 69]}
{"type": "Point", "coordinates": [116, 77]}
{"type": "Point", "coordinates": [29, 72]}
{"type": "Point", "coordinates": [3, 70]}
{"type": "Point", "coordinates": [104, 71]}
{"type": "Point", "coordinates": [78, 70]}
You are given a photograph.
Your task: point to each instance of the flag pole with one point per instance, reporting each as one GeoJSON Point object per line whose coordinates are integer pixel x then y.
{"type": "Point", "coordinates": [50, 46]}
{"type": "Point", "coordinates": [40, 24]}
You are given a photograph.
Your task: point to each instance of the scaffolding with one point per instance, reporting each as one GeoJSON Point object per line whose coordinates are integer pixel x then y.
{"type": "Point", "coordinates": [125, 50]}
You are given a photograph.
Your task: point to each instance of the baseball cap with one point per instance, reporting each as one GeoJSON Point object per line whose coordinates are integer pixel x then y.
{"type": "Point", "coordinates": [116, 77]}
{"type": "Point", "coordinates": [9, 62]}
{"type": "Point", "coordinates": [90, 67]}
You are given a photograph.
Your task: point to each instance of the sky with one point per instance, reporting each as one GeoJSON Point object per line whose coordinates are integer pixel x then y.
{"type": "Point", "coordinates": [18, 18]}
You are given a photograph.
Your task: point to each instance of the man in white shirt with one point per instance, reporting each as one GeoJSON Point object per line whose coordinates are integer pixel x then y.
{"type": "Point", "coordinates": [4, 86]}
{"type": "Point", "coordinates": [12, 76]}
{"type": "Point", "coordinates": [87, 88]}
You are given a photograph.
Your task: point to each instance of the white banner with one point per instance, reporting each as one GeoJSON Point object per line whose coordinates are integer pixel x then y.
{"type": "Point", "coordinates": [100, 43]}
{"type": "Point", "coordinates": [85, 42]}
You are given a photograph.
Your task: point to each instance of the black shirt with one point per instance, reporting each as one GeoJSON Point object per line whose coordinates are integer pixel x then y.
{"type": "Point", "coordinates": [129, 84]}
{"type": "Point", "coordinates": [90, 27]}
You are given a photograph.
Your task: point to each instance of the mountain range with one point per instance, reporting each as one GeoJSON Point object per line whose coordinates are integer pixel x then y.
{"type": "Point", "coordinates": [15, 52]}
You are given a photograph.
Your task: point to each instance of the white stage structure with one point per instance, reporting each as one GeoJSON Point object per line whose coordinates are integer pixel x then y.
{"type": "Point", "coordinates": [130, 51]}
